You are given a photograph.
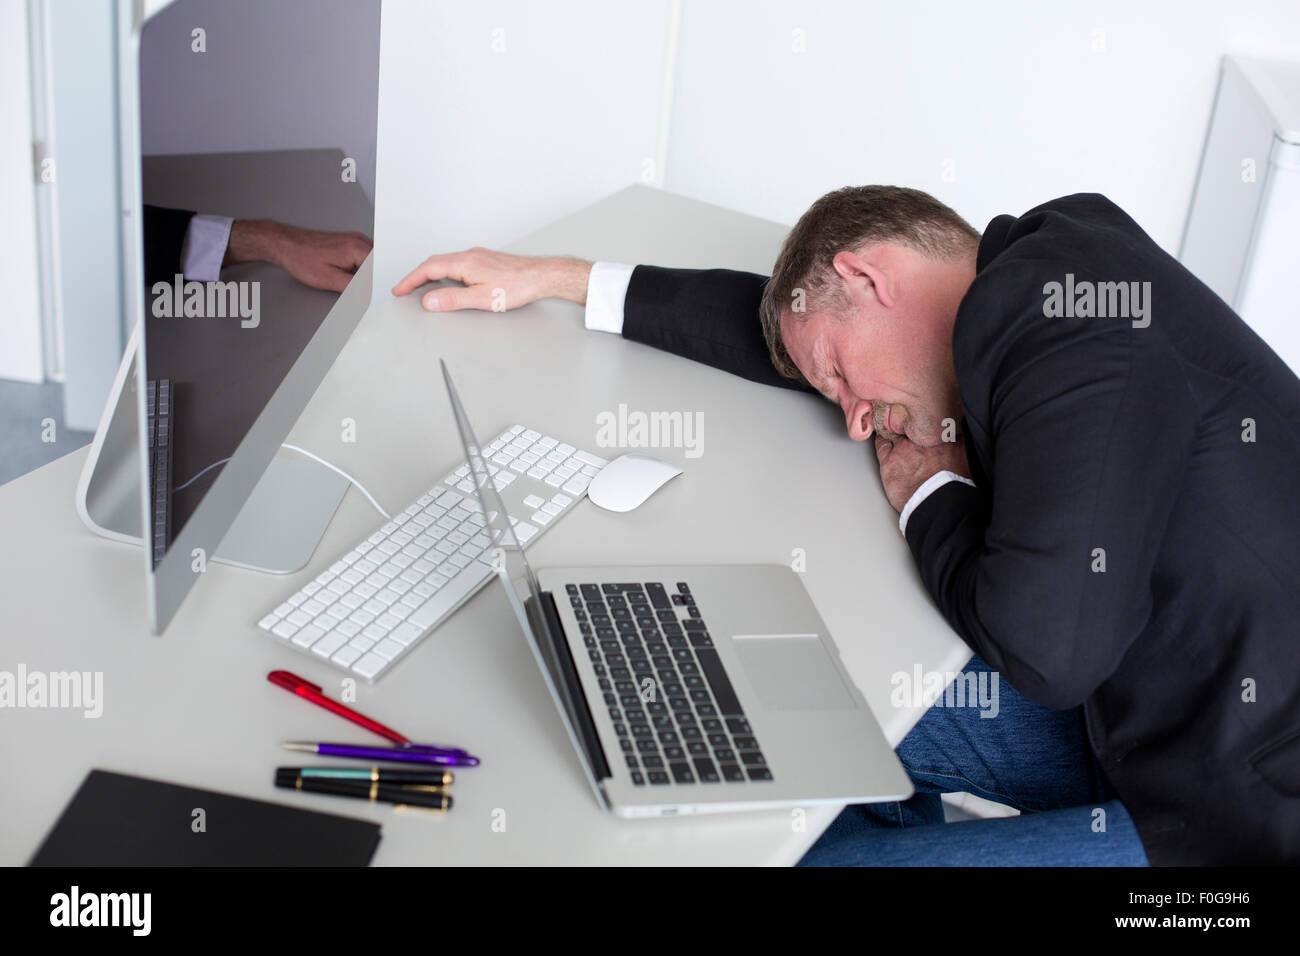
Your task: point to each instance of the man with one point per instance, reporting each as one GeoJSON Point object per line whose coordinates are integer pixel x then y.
{"type": "Point", "coordinates": [1093, 458]}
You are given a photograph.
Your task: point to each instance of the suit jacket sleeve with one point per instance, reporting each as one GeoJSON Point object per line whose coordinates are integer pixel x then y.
{"type": "Point", "coordinates": [164, 236]}
{"type": "Point", "coordinates": [709, 315]}
{"type": "Point", "coordinates": [1091, 428]}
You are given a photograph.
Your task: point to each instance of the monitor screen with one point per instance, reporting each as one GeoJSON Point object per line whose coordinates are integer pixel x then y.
{"type": "Point", "coordinates": [256, 152]}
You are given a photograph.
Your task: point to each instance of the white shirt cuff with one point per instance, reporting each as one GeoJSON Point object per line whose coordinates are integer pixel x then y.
{"type": "Point", "coordinates": [204, 248]}
{"type": "Point", "coordinates": [606, 290]}
{"type": "Point", "coordinates": [928, 487]}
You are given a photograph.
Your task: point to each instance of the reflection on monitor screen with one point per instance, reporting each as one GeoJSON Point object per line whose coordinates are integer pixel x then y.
{"type": "Point", "coordinates": [257, 125]}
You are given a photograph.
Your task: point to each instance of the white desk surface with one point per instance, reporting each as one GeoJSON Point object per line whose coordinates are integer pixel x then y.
{"type": "Point", "coordinates": [194, 706]}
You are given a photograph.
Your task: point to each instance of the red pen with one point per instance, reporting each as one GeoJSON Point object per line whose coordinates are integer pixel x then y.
{"type": "Point", "coordinates": [312, 692]}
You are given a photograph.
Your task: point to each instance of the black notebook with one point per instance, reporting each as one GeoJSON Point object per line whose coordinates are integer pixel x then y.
{"type": "Point", "coordinates": [117, 820]}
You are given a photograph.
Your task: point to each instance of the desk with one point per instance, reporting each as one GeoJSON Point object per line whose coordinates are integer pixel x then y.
{"type": "Point", "coordinates": [194, 707]}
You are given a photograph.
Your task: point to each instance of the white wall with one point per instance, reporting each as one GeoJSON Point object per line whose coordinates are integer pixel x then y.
{"type": "Point", "coordinates": [1013, 92]}
{"type": "Point", "coordinates": [304, 78]}
{"type": "Point", "coordinates": [993, 107]}
{"type": "Point", "coordinates": [478, 147]}
{"type": "Point", "coordinates": [20, 319]}
{"type": "Point", "coordinates": [82, 50]}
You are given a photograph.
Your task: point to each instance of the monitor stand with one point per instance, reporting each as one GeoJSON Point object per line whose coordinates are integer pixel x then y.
{"type": "Point", "coordinates": [278, 528]}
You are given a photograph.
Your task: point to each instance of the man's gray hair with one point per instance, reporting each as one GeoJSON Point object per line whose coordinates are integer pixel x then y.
{"type": "Point", "coordinates": [853, 218]}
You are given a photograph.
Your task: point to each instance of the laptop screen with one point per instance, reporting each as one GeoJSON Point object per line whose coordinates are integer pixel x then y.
{"type": "Point", "coordinates": [522, 589]}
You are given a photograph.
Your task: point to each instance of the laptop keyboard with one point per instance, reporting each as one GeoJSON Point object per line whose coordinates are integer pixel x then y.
{"type": "Point", "coordinates": [674, 709]}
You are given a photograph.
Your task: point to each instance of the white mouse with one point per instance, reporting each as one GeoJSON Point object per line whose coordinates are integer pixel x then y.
{"type": "Point", "coordinates": [627, 481]}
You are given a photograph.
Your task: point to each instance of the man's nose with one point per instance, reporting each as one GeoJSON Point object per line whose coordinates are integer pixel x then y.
{"type": "Point", "coordinates": [857, 418]}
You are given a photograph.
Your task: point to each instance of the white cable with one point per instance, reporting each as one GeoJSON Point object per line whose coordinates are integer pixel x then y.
{"type": "Point", "coordinates": [301, 451]}
{"type": "Point", "coordinates": [200, 475]}
{"type": "Point", "coordinates": [360, 486]}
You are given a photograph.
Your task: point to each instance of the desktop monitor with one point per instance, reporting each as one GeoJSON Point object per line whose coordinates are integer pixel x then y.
{"type": "Point", "coordinates": [239, 122]}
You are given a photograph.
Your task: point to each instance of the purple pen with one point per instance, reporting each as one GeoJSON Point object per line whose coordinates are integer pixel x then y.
{"type": "Point", "coordinates": [436, 748]}
{"type": "Point", "coordinates": [400, 754]}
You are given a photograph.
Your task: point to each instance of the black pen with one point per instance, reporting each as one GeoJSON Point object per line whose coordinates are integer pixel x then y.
{"type": "Point", "coordinates": [436, 778]}
{"type": "Point", "coordinates": [421, 798]}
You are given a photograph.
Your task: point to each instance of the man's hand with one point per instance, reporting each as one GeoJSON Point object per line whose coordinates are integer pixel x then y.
{"type": "Point", "coordinates": [496, 280]}
{"type": "Point", "coordinates": [322, 260]}
{"type": "Point", "coordinates": [905, 466]}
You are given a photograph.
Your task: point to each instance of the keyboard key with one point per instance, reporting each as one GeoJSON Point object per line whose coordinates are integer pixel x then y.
{"type": "Point", "coordinates": [759, 773]}
{"type": "Point", "coordinates": [532, 501]}
{"type": "Point", "coordinates": [369, 665]}
{"type": "Point", "coordinates": [345, 656]}
{"type": "Point", "coordinates": [577, 485]}
{"type": "Point", "coordinates": [307, 636]}
{"type": "Point", "coordinates": [406, 633]}
{"type": "Point", "coordinates": [330, 643]}
{"type": "Point", "coordinates": [682, 772]}
{"type": "Point", "coordinates": [732, 774]}
{"type": "Point", "coordinates": [448, 596]}
{"type": "Point", "coordinates": [723, 692]}
{"type": "Point", "coordinates": [705, 770]}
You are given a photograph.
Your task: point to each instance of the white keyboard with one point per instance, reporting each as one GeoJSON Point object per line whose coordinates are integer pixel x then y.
{"type": "Point", "coordinates": [376, 602]}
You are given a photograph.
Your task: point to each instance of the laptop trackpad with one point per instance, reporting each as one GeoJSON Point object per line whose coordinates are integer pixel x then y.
{"type": "Point", "coordinates": [792, 672]}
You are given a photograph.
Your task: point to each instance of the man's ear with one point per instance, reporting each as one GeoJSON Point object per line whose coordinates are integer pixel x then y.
{"type": "Point", "coordinates": [863, 277]}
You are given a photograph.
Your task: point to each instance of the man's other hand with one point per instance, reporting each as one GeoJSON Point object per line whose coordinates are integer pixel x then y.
{"type": "Point", "coordinates": [496, 281]}
{"type": "Point", "coordinates": [322, 260]}
{"type": "Point", "coordinates": [905, 466]}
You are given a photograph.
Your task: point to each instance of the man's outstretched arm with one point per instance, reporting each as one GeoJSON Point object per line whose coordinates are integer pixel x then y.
{"type": "Point", "coordinates": [708, 315]}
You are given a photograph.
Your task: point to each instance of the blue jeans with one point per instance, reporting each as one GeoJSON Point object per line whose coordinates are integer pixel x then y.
{"type": "Point", "coordinates": [1029, 757]}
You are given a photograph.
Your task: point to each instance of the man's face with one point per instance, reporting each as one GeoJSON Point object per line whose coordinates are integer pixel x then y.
{"type": "Point", "coordinates": [886, 360]}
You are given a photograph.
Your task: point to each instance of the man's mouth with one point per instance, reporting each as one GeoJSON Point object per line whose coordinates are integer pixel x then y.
{"type": "Point", "coordinates": [880, 423]}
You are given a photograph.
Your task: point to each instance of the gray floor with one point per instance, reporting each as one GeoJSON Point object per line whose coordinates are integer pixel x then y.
{"type": "Point", "coordinates": [30, 415]}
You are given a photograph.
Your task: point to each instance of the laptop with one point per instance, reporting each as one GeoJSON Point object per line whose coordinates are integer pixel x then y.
{"type": "Point", "coordinates": [690, 689]}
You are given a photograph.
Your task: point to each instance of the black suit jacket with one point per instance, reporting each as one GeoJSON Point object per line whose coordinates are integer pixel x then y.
{"type": "Point", "coordinates": [1090, 438]}
{"type": "Point", "coordinates": [164, 235]}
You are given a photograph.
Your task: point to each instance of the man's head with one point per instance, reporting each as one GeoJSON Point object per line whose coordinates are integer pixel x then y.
{"type": "Point", "coordinates": [861, 306]}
